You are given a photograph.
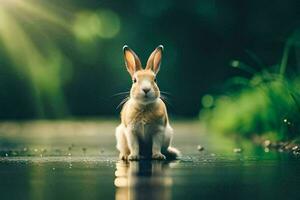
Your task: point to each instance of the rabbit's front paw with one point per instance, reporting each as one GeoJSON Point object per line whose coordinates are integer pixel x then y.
{"type": "Point", "coordinates": [134, 157]}
{"type": "Point", "coordinates": [123, 156]}
{"type": "Point", "coordinates": [158, 156]}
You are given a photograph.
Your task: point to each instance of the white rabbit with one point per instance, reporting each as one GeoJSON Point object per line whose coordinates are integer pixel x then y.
{"type": "Point", "coordinates": [144, 131]}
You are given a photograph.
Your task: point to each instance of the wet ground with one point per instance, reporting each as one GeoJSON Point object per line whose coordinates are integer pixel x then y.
{"type": "Point", "coordinates": [77, 160]}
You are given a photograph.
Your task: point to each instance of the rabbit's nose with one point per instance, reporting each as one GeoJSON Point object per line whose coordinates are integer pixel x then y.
{"type": "Point", "coordinates": [146, 90]}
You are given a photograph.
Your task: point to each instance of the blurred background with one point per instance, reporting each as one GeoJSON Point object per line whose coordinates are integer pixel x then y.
{"type": "Point", "coordinates": [63, 58]}
{"type": "Point", "coordinates": [230, 73]}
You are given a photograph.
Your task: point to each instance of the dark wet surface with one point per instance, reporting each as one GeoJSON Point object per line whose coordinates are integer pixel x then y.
{"type": "Point", "coordinates": [77, 160]}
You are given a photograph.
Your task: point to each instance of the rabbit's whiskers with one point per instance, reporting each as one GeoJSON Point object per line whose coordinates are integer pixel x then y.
{"type": "Point", "coordinates": [123, 102]}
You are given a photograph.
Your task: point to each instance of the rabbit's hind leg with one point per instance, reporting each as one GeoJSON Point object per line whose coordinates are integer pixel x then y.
{"type": "Point", "coordinates": [167, 149]}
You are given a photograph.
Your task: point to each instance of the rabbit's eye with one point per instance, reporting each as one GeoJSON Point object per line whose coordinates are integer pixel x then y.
{"type": "Point", "coordinates": [134, 80]}
{"type": "Point", "coordinates": [155, 80]}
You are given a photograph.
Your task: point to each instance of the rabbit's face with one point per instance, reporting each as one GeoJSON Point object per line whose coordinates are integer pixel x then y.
{"type": "Point", "coordinates": [144, 88]}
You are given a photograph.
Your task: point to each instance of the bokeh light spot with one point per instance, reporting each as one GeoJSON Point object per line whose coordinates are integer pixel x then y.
{"type": "Point", "coordinates": [110, 24]}
{"type": "Point", "coordinates": [91, 25]}
{"type": "Point", "coordinates": [235, 63]}
{"type": "Point", "coordinates": [207, 101]}
{"type": "Point", "coordinates": [86, 25]}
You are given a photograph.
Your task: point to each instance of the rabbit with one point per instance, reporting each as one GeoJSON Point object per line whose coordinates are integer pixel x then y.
{"type": "Point", "coordinates": [144, 132]}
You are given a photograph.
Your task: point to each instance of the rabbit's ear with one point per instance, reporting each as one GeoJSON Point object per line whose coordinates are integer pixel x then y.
{"type": "Point", "coordinates": [132, 61]}
{"type": "Point", "coordinates": [154, 60]}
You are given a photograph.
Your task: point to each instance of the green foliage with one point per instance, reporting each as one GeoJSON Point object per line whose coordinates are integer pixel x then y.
{"type": "Point", "coordinates": [262, 108]}
{"type": "Point", "coordinates": [268, 103]}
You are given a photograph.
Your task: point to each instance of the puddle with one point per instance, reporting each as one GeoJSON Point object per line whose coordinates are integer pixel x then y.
{"type": "Point", "coordinates": [68, 163]}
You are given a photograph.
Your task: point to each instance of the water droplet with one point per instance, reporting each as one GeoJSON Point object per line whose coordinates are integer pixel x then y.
{"type": "Point", "coordinates": [200, 148]}
{"type": "Point", "coordinates": [6, 155]}
{"type": "Point", "coordinates": [237, 150]}
{"type": "Point", "coordinates": [295, 148]}
{"type": "Point", "coordinates": [267, 143]}
{"type": "Point", "coordinates": [84, 150]}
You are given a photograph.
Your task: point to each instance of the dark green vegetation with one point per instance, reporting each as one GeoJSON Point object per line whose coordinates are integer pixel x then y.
{"type": "Point", "coordinates": [63, 58]}
{"type": "Point", "coordinates": [266, 104]}
{"type": "Point", "coordinates": [77, 160]}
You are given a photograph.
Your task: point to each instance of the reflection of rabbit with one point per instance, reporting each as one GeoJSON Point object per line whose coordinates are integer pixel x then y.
{"type": "Point", "coordinates": [144, 128]}
{"type": "Point", "coordinates": [142, 180]}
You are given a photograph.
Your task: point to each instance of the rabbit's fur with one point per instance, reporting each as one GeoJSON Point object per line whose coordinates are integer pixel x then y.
{"type": "Point", "coordinates": [144, 131]}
